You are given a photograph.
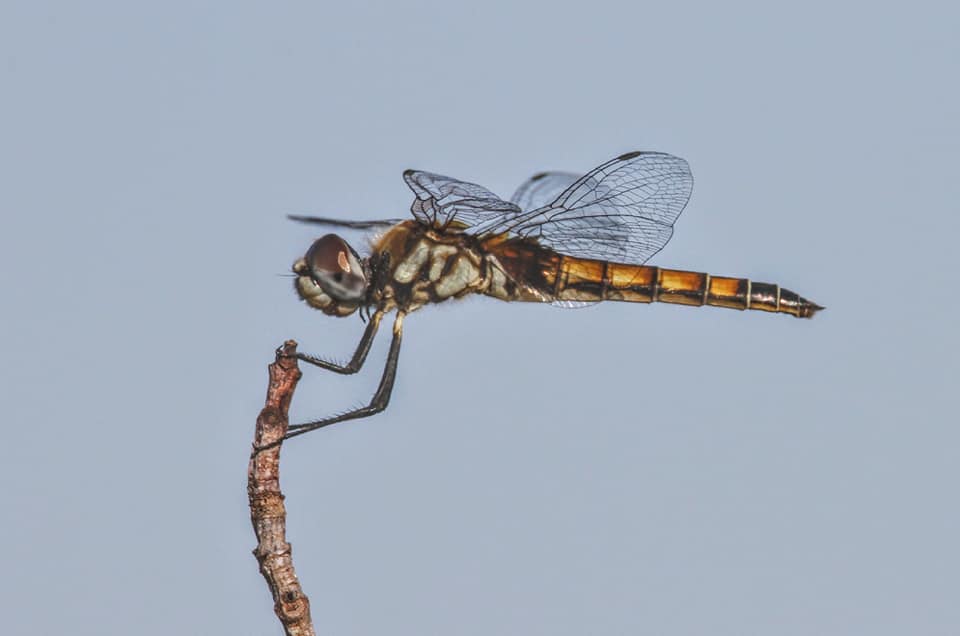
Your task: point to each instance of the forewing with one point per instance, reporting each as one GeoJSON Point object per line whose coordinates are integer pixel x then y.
{"type": "Point", "coordinates": [623, 211]}
{"type": "Point", "coordinates": [541, 189]}
{"type": "Point", "coordinates": [444, 202]}
{"type": "Point", "coordinates": [358, 234]}
{"type": "Point", "coordinates": [378, 224]}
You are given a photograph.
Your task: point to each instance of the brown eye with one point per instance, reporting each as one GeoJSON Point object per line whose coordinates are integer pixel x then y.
{"type": "Point", "coordinates": [328, 254]}
{"type": "Point", "coordinates": [335, 268]}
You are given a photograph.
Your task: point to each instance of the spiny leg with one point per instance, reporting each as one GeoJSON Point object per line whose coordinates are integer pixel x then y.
{"type": "Point", "coordinates": [363, 348]}
{"type": "Point", "coordinates": [380, 399]}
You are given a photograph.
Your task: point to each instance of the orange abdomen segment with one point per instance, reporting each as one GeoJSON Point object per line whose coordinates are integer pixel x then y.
{"type": "Point", "coordinates": [590, 280]}
{"type": "Point", "coordinates": [538, 274]}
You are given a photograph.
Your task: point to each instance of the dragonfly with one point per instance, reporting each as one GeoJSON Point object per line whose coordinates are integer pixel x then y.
{"type": "Point", "coordinates": [562, 238]}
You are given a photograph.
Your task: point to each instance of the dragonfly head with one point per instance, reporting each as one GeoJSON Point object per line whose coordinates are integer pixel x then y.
{"type": "Point", "coordinates": [331, 277]}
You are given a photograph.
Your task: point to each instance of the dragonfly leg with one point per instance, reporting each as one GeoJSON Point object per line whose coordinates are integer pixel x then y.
{"type": "Point", "coordinates": [363, 348]}
{"type": "Point", "coordinates": [380, 399]}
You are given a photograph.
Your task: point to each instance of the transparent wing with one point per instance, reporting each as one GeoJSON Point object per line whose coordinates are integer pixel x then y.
{"type": "Point", "coordinates": [358, 233]}
{"type": "Point", "coordinates": [624, 210]}
{"type": "Point", "coordinates": [574, 304]}
{"type": "Point", "coordinates": [541, 189]}
{"type": "Point", "coordinates": [379, 224]}
{"type": "Point", "coordinates": [445, 202]}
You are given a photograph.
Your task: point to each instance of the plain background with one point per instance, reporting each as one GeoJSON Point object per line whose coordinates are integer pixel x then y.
{"type": "Point", "coordinates": [625, 469]}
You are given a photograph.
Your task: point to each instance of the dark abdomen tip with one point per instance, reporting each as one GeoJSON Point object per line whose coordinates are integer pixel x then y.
{"type": "Point", "coordinates": [808, 309]}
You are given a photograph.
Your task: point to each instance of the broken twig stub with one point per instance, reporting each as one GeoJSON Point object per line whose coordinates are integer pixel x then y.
{"type": "Point", "coordinates": [267, 511]}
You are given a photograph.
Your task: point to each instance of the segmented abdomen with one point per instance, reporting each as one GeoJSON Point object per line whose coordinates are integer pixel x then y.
{"type": "Point", "coordinates": [544, 275]}
{"type": "Point", "coordinates": [599, 280]}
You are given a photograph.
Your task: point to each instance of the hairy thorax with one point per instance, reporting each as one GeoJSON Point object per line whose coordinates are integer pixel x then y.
{"type": "Point", "coordinates": [426, 266]}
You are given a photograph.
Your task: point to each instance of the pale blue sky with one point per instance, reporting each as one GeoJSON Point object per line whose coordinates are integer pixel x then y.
{"type": "Point", "coordinates": [625, 469]}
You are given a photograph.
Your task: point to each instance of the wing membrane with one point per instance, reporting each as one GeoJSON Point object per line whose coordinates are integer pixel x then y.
{"type": "Point", "coordinates": [541, 189]}
{"type": "Point", "coordinates": [446, 202]}
{"type": "Point", "coordinates": [623, 210]}
{"type": "Point", "coordinates": [378, 224]}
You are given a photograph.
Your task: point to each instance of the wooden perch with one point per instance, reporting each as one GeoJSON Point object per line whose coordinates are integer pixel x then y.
{"type": "Point", "coordinates": [267, 512]}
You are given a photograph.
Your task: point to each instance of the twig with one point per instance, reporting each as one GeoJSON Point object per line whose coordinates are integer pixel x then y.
{"type": "Point", "coordinates": [267, 511]}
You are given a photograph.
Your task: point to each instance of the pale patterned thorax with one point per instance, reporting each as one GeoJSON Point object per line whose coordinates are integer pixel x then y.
{"type": "Point", "coordinates": [429, 267]}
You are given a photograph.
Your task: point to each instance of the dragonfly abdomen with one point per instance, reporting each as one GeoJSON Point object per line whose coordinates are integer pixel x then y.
{"type": "Point", "coordinates": [590, 280]}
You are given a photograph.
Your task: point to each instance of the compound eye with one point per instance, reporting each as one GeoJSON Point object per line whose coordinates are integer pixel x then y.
{"type": "Point", "coordinates": [335, 268]}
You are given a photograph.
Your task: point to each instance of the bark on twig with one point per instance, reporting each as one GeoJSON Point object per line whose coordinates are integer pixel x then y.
{"type": "Point", "coordinates": [267, 511]}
